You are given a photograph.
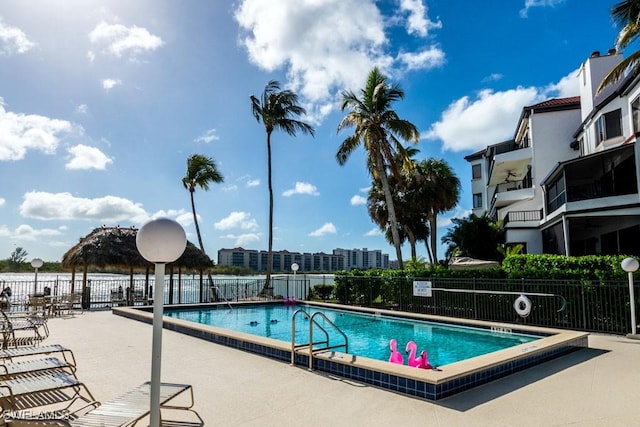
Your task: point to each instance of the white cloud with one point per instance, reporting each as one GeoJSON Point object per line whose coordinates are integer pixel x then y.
{"type": "Point", "coordinates": [22, 132]}
{"type": "Point", "coordinates": [185, 219]}
{"type": "Point", "coordinates": [538, 3]}
{"type": "Point", "coordinates": [82, 109]}
{"type": "Point", "coordinates": [26, 232]}
{"type": "Point", "coordinates": [427, 59]}
{"type": "Point", "coordinates": [208, 136]}
{"type": "Point", "coordinates": [253, 183]}
{"type": "Point", "coordinates": [2, 201]}
{"type": "Point", "coordinates": [358, 200]}
{"type": "Point", "coordinates": [324, 46]}
{"type": "Point", "coordinates": [108, 84]}
{"type": "Point", "coordinates": [65, 206]}
{"type": "Point", "coordinates": [85, 157]}
{"type": "Point", "coordinates": [569, 85]}
{"type": "Point", "coordinates": [236, 219]}
{"type": "Point", "coordinates": [302, 188]}
{"type": "Point", "coordinates": [118, 40]}
{"type": "Point", "coordinates": [472, 124]}
{"type": "Point", "coordinates": [327, 228]}
{"type": "Point", "coordinates": [373, 232]}
{"type": "Point", "coordinates": [418, 22]}
{"type": "Point", "coordinates": [13, 40]}
{"type": "Point", "coordinates": [491, 117]}
{"type": "Point", "coordinates": [243, 239]}
{"type": "Point", "coordinates": [228, 188]}
{"type": "Point", "coordinates": [493, 77]}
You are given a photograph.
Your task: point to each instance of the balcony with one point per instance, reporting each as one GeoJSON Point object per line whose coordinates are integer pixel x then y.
{"type": "Point", "coordinates": [523, 216]}
{"type": "Point", "coordinates": [509, 162]}
{"type": "Point", "coordinates": [507, 193]}
{"type": "Point", "coordinates": [603, 175]}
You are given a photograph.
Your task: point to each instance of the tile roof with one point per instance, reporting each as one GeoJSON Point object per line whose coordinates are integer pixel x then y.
{"type": "Point", "coordinates": [557, 102]}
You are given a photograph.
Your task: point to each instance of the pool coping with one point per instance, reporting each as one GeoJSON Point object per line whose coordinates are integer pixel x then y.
{"type": "Point", "coordinates": [426, 384]}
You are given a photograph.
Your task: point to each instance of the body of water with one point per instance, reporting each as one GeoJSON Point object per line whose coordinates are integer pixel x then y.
{"type": "Point", "coordinates": [369, 335]}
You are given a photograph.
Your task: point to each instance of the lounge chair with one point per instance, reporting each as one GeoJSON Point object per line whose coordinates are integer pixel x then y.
{"type": "Point", "coordinates": [15, 354]}
{"type": "Point", "coordinates": [31, 330]}
{"type": "Point", "coordinates": [44, 388]}
{"type": "Point", "coordinates": [129, 409]}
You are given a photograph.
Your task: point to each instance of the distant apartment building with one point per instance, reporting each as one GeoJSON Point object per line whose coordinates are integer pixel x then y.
{"type": "Point", "coordinates": [567, 182]}
{"type": "Point", "coordinates": [340, 259]}
{"type": "Point", "coordinates": [363, 259]}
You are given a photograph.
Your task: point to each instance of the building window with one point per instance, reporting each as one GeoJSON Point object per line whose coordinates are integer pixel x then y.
{"type": "Point", "coordinates": [476, 171]}
{"type": "Point", "coordinates": [635, 112]}
{"type": "Point", "coordinates": [477, 200]}
{"type": "Point", "coordinates": [556, 195]}
{"type": "Point", "coordinates": [609, 125]}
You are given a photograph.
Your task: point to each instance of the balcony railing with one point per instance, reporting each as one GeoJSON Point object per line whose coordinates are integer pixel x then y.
{"type": "Point", "coordinates": [523, 216]}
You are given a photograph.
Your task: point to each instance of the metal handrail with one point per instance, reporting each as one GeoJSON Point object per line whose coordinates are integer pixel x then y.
{"type": "Point", "coordinates": [311, 343]}
{"type": "Point", "coordinates": [311, 322]}
{"type": "Point", "coordinates": [293, 335]}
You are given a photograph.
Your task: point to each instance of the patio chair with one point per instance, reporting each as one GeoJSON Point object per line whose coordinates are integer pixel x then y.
{"type": "Point", "coordinates": [129, 409]}
{"type": "Point", "coordinates": [45, 388]}
{"type": "Point", "coordinates": [30, 330]}
{"type": "Point", "coordinates": [15, 354]}
{"type": "Point", "coordinates": [66, 304]}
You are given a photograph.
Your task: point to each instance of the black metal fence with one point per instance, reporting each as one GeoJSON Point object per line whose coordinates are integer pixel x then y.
{"type": "Point", "coordinates": [103, 294]}
{"type": "Point", "coordinates": [587, 306]}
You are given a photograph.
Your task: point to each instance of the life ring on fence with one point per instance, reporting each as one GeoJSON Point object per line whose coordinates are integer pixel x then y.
{"type": "Point", "coordinates": [522, 305]}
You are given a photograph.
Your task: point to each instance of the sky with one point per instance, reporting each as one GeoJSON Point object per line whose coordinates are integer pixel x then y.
{"type": "Point", "coordinates": [102, 102]}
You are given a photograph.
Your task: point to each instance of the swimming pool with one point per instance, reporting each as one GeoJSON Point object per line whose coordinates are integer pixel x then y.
{"type": "Point", "coordinates": [422, 383]}
{"type": "Point", "coordinates": [368, 334]}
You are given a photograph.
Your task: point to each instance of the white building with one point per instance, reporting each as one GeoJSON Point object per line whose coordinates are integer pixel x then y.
{"type": "Point", "coordinates": [568, 181]}
{"type": "Point", "coordinates": [307, 262]}
{"type": "Point", "coordinates": [363, 259]}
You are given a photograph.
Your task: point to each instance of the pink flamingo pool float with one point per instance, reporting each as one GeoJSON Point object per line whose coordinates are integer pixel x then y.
{"type": "Point", "coordinates": [417, 362]}
{"type": "Point", "coordinates": [396, 356]}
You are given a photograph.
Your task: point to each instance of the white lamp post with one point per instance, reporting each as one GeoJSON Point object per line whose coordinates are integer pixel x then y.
{"type": "Point", "coordinates": [630, 265]}
{"type": "Point", "coordinates": [36, 263]}
{"type": "Point", "coordinates": [159, 241]}
{"type": "Point", "coordinates": [295, 268]}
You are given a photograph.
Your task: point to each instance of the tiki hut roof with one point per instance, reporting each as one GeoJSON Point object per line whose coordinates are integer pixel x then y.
{"type": "Point", "coordinates": [116, 247]}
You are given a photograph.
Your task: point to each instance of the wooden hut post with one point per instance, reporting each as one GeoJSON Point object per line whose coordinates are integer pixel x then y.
{"type": "Point", "coordinates": [86, 292]}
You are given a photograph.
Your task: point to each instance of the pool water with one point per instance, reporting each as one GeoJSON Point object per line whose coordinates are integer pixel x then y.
{"type": "Point", "coordinates": [368, 334]}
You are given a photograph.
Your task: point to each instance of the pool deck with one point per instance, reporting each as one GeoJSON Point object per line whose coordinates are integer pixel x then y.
{"type": "Point", "coordinates": [595, 386]}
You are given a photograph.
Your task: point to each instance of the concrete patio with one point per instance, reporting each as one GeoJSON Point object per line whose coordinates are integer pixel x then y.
{"type": "Point", "coordinates": [599, 386]}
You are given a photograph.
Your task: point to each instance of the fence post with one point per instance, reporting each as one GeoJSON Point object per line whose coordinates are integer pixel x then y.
{"type": "Point", "coordinates": [475, 301]}
{"type": "Point", "coordinates": [584, 308]}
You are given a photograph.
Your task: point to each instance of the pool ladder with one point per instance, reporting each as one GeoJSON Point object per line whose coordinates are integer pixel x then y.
{"type": "Point", "coordinates": [311, 345]}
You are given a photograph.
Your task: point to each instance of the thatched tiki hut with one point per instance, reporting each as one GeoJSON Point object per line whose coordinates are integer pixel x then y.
{"type": "Point", "coordinates": [116, 247]}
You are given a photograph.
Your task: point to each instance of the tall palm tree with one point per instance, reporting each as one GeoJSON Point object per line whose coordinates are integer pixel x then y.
{"type": "Point", "coordinates": [625, 14]}
{"type": "Point", "coordinates": [276, 109]}
{"type": "Point", "coordinates": [377, 128]}
{"type": "Point", "coordinates": [442, 193]}
{"type": "Point", "coordinates": [201, 171]}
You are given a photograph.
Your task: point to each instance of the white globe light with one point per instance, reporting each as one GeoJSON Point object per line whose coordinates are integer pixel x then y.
{"type": "Point", "coordinates": [295, 266]}
{"type": "Point", "coordinates": [630, 264]}
{"type": "Point", "coordinates": [37, 263]}
{"type": "Point", "coordinates": [161, 240]}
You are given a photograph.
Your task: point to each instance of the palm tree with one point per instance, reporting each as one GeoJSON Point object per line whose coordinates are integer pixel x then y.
{"type": "Point", "coordinates": [377, 128]}
{"type": "Point", "coordinates": [201, 171]}
{"type": "Point", "coordinates": [627, 15]}
{"type": "Point", "coordinates": [442, 193]}
{"type": "Point", "coordinates": [276, 109]}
